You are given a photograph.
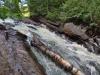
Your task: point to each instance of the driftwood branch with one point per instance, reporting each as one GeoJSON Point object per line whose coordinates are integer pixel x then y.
{"type": "Point", "coordinates": [59, 60]}
{"type": "Point", "coordinates": [49, 24]}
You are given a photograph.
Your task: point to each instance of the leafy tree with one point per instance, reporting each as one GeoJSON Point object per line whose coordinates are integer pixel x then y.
{"type": "Point", "coordinates": [14, 7]}
{"type": "Point", "coordinates": [44, 7]}
{"type": "Point", "coordinates": [11, 9]}
{"type": "Point", "coordinates": [87, 10]}
{"type": "Point", "coordinates": [4, 12]}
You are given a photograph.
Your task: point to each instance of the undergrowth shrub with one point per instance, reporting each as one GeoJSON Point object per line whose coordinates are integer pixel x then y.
{"type": "Point", "coordinates": [86, 10]}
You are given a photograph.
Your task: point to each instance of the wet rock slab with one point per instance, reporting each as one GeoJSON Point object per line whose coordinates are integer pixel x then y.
{"type": "Point", "coordinates": [14, 56]}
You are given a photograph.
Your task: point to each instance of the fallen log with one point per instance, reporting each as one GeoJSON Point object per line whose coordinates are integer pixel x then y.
{"type": "Point", "coordinates": [43, 20]}
{"type": "Point", "coordinates": [59, 60]}
{"type": "Point", "coordinates": [49, 25]}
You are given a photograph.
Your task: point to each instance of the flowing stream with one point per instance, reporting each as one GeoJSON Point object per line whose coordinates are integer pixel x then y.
{"type": "Point", "coordinates": [76, 54]}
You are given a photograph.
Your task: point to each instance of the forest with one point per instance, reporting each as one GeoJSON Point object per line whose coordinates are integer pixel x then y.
{"type": "Point", "coordinates": [56, 10]}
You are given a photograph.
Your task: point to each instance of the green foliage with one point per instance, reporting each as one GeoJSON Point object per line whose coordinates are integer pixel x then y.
{"type": "Point", "coordinates": [37, 7]}
{"type": "Point", "coordinates": [87, 10]}
{"type": "Point", "coordinates": [10, 9]}
{"type": "Point", "coordinates": [63, 10]}
{"type": "Point", "coordinates": [54, 15]}
{"type": "Point", "coordinates": [4, 12]}
{"type": "Point", "coordinates": [47, 8]}
{"type": "Point", "coordinates": [25, 10]}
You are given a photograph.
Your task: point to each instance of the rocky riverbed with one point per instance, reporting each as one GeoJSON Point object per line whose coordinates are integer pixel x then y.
{"type": "Point", "coordinates": [20, 57]}
{"type": "Point", "coordinates": [14, 55]}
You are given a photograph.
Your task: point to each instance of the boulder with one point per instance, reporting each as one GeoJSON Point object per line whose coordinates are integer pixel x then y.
{"type": "Point", "coordinates": [72, 30]}
{"type": "Point", "coordinates": [93, 45]}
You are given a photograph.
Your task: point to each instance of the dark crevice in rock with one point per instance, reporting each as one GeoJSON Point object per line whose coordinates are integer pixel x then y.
{"type": "Point", "coordinates": [27, 46]}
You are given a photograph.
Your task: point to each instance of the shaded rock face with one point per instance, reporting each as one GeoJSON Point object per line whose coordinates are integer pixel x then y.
{"type": "Point", "coordinates": [14, 58]}
{"type": "Point", "coordinates": [29, 21]}
{"type": "Point", "coordinates": [92, 44]}
{"type": "Point", "coordinates": [72, 30]}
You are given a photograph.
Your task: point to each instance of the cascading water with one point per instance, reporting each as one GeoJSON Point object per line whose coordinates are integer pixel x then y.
{"type": "Point", "coordinates": [77, 55]}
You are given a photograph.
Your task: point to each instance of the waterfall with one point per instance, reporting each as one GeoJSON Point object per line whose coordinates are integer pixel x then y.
{"type": "Point", "coordinates": [76, 54]}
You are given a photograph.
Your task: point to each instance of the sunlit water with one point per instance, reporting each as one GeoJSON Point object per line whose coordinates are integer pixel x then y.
{"type": "Point", "coordinates": [77, 55]}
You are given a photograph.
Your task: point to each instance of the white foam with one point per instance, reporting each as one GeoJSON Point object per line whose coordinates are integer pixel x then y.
{"type": "Point", "coordinates": [9, 20]}
{"type": "Point", "coordinates": [1, 21]}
